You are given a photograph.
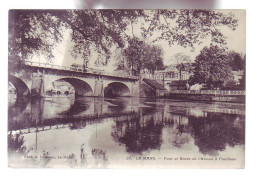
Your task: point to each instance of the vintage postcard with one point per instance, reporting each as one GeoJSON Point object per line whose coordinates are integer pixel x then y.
{"type": "Point", "coordinates": [117, 88]}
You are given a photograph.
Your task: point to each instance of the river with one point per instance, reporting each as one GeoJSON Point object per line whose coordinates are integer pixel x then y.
{"type": "Point", "coordinates": [88, 132]}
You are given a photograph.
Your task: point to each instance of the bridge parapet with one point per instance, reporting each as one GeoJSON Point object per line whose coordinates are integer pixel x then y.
{"type": "Point", "coordinates": [77, 69]}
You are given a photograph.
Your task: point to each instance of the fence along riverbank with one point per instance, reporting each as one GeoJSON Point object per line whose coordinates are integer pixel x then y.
{"type": "Point", "coordinates": [237, 96]}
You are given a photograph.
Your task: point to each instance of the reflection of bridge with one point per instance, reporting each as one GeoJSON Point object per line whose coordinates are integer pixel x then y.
{"type": "Point", "coordinates": [44, 112]}
{"type": "Point", "coordinates": [35, 78]}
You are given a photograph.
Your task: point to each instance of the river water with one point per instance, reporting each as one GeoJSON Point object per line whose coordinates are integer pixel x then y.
{"type": "Point", "coordinates": [61, 132]}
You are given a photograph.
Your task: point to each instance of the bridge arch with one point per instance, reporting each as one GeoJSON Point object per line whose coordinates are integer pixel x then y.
{"type": "Point", "coordinates": [115, 89]}
{"type": "Point", "coordinates": [21, 87]}
{"type": "Point", "coordinates": [82, 88]}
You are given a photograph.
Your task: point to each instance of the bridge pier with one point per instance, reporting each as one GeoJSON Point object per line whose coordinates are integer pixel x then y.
{"type": "Point", "coordinates": [38, 83]}
{"type": "Point", "coordinates": [135, 90]}
{"type": "Point", "coordinates": [99, 88]}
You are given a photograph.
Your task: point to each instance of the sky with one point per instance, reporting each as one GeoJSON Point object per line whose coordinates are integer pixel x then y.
{"type": "Point", "coordinates": [236, 41]}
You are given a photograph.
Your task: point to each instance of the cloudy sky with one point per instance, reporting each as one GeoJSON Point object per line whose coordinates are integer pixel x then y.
{"type": "Point", "coordinates": [236, 40]}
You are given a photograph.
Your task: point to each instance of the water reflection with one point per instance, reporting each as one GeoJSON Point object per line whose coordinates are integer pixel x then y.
{"type": "Point", "coordinates": [139, 133]}
{"type": "Point", "coordinates": [216, 131]}
{"type": "Point", "coordinates": [89, 132]}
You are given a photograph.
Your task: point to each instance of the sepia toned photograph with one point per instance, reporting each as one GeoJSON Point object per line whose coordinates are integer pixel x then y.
{"type": "Point", "coordinates": [121, 88]}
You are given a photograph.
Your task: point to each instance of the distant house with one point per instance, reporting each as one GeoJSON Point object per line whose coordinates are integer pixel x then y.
{"type": "Point", "coordinates": [173, 73]}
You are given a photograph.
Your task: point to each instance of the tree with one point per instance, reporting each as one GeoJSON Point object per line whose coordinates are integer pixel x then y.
{"type": "Point", "coordinates": [211, 67]}
{"type": "Point", "coordinates": [38, 31]}
{"type": "Point", "coordinates": [188, 27]}
{"type": "Point", "coordinates": [236, 61]}
{"type": "Point", "coordinates": [31, 32]}
{"type": "Point", "coordinates": [140, 55]}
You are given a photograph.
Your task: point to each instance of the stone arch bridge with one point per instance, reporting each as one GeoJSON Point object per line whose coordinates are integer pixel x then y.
{"type": "Point", "coordinates": [34, 79]}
